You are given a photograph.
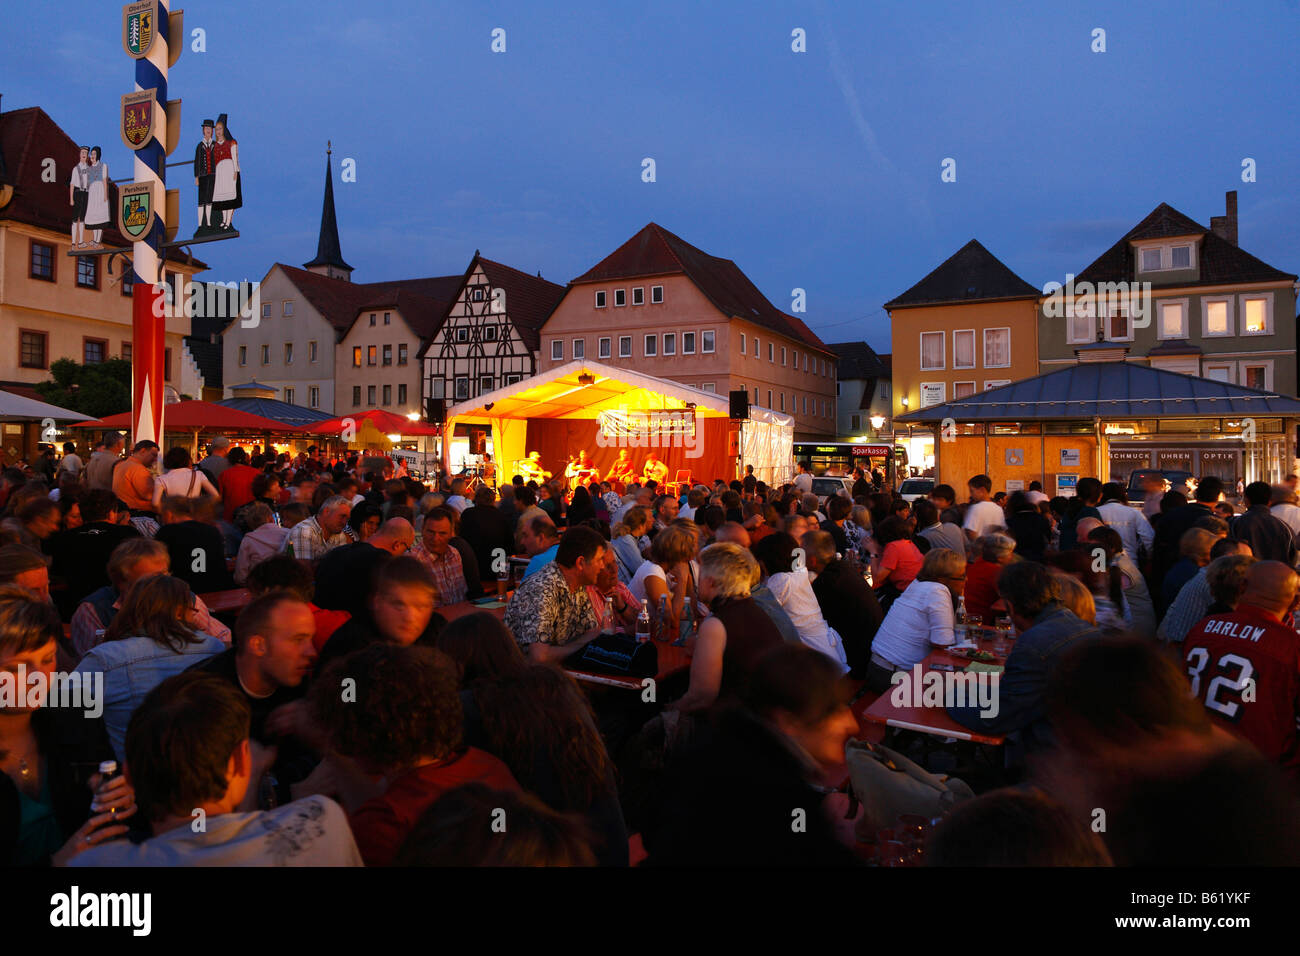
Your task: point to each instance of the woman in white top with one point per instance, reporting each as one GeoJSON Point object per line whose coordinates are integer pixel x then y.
{"type": "Point", "coordinates": [180, 478]}
{"type": "Point", "coordinates": [921, 618]}
{"type": "Point", "coordinates": [98, 217]}
{"type": "Point", "coordinates": [671, 553]}
{"type": "Point", "coordinates": [786, 575]}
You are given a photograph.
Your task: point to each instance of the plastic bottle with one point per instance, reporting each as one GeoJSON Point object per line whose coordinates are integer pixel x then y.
{"type": "Point", "coordinates": [959, 630]}
{"type": "Point", "coordinates": [662, 620]}
{"type": "Point", "coordinates": [687, 625]}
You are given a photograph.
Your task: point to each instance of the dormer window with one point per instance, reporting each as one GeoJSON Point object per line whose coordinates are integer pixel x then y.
{"type": "Point", "coordinates": [1167, 258]}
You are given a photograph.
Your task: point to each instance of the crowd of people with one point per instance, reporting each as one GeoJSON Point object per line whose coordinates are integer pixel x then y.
{"type": "Point", "coordinates": [340, 719]}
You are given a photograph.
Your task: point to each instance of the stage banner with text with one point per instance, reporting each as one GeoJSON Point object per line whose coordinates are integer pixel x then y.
{"type": "Point", "coordinates": [702, 452]}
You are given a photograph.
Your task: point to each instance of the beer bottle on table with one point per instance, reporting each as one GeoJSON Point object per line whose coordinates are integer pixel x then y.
{"type": "Point", "coordinates": [662, 620]}
{"type": "Point", "coordinates": [643, 623]}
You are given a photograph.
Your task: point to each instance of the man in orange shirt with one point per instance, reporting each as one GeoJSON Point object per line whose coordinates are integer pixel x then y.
{"type": "Point", "coordinates": [133, 478]}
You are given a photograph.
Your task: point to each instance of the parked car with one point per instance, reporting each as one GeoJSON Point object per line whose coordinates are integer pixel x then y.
{"type": "Point", "coordinates": [1136, 496]}
{"type": "Point", "coordinates": [914, 488]}
{"type": "Point", "coordinates": [825, 486]}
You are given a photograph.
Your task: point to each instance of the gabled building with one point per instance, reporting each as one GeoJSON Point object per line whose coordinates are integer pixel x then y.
{"type": "Point", "coordinates": [294, 345]}
{"type": "Point", "coordinates": [54, 305]}
{"type": "Point", "coordinates": [968, 326]}
{"type": "Point", "coordinates": [863, 391]}
{"type": "Point", "coordinates": [1213, 309]}
{"type": "Point", "coordinates": [661, 306]}
{"type": "Point", "coordinates": [490, 333]}
{"type": "Point", "coordinates": [377, 363]}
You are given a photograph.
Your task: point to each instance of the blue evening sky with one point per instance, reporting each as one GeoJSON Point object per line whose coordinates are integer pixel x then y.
{"type": "Point", "coordinates": [818, 170]}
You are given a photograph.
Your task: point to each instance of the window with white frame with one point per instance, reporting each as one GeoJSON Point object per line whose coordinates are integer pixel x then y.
{"type": "Point", "coordinates": [620, 297]}
{"type": "Point", "coordinates": [288, 310]}
{"type": "Point", "coordinates": [963, 389]}
{"type": "Point", "coordinates": [557, 350]}
{"type": "Point", "coordinates": [963, 348]}
{"type": "Point", "coordinates": [783, 356]}
{"type": "Point", "coordinates": [288, 354]}
{"type": "Point", "coordinates": [243, 355]}
{"type": "Point", "coordinates": [603, 346]}
{"type": "Point", "coordinates": [670, 343]}
{"type": "Point", "coordinates": [771, 353]}
{"type": "Point", "coordinates": [289, 395]}
{"type": "Point", "coordinates": [782, 397]}
{"type": "Point", "coordinates": [579, 348]}
{"type": "Point", "coordinates": [462, 333]}
{"type": "Point", "coordinates": [688, 343]}
{"type": "Point", "coordinates": [756, 346]}
{"type": "Point", "coordinates": [742, 345]}
{"type": "Point", "coordinates": [638, 295]}
{"type": "Point", "coordinates": [1257, 314]}
{"type": "Point", "coordinates": [312, 352]}
{"type": "Point", "coordinates": [932, 351]}
{"type": "Point", "coordinates": [625, 346]}
{"type": "Point", "coordinates": [1118, 326]}
{"type": "Point", "coordinates": [997, 348]}
{"type": "Point", "coordinates": [651, 345]}
{"type": "Point", "coordinates": [1173, 320]}
{"type": "Point", "coordinates": [313, 397]}
{"type": "Point", "coordinates": [1257, 374]}
{"type": "Point", "coordinates": [485, 384]}
{"type": "Point", "coordinates": [1080, 327]}
{"type": "Point", "coordinates": [266, 310]}
{"type": "Point", "coordinates": [1168, 257]}
{"type": "Point", "coordinates": [266, 355]}
{"type": "Point", "coordinates": [709, 387]}
{"type": "Point", "coordinates": [805, 361]}
{"type": "Point", "coordinates": [370, 394]}
{"type": "Point", "coordinates": [462, 388]}
{"type": "Point", "coordinates": [706, 342]}
{"type": "Point", "coordinates": [438, 387]}
{"type": "Point", "coordinates": [656, 294]}
{"type": "Point", "coordinates": [1217, 318]}
{"type": "Point", "coordinates": [600, 299]}
{"type": "Point", "coordinates": [1219, 372]}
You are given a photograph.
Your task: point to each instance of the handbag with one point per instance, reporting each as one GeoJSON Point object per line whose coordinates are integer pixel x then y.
{"type": "Point", "coordinates": [888, 785]}
{"type": "Point", "coordinates": [619, 654]}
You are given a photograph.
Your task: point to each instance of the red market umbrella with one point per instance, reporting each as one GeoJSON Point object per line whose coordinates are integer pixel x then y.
{"type": "Point", "coordinates": [386, 423]}
{"type": "Point", "coordinates": [200, 416]}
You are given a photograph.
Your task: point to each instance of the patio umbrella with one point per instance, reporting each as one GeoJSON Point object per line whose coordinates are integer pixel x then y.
{"type": "Point", "coordinates": [200, 416]}
{"type": "Point", "coordinates": [19, 408]}
{"type": "Point", "coordinates": [386, 423]}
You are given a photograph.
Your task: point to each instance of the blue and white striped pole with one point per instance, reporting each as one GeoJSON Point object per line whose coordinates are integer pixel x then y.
{"type": "Point", "coordinates": [149, 322]}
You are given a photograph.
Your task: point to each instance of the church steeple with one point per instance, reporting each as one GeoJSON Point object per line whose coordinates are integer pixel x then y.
{"type": "Point", "coordinates": [329, 255]}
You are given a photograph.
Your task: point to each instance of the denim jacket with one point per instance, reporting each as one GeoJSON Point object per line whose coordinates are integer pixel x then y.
{"type": "Point", "coordinates": [1020, 691]}
{"type": "Point", "coordinates": [134, 666]}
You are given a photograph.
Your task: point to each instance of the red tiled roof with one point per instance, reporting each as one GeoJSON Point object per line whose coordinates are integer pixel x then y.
{"type": "Point", "coordinates": [530, 300]}
{"type": "Point", "coordinates": [27, 138]}
{"type": "Point", "coordinates": [656, 251]}
{"type": "Point", "coordinates": [423, 302]}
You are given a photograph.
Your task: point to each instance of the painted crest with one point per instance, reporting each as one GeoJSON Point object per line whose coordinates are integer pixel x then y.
{"type": "Point", "coordinates": [139, 116]}
{"type": "Point", "coordinates": [136, 210]}
{"type": "Point", "coordinates": [139, 27]}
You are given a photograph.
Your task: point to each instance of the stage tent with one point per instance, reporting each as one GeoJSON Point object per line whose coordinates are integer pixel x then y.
{"type": "Point", "coordinates": [584, 405]}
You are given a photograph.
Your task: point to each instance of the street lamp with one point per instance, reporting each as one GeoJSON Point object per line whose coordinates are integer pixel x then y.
{"type": "Point", "coordinates": [877, 422]}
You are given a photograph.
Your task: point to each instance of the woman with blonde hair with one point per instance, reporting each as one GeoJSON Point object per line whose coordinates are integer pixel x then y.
{"type": "Point", "coordinates": [922, 617]}
{"type": "Point", "coordinates": [151, 638]}
{"type": "Point", "coordinates": [734, 635]}
{"type": "Point", "coordinates": [1074, 596]}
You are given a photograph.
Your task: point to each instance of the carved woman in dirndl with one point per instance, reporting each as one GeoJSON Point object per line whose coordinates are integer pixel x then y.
{"type": "Point", "coordinates": [98, 217]}
{"type": "Point", "coordinates": [227, 190]}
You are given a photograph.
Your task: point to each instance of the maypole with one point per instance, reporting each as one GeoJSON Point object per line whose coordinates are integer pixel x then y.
{"type": "Point", "coordinates": [148, 307]}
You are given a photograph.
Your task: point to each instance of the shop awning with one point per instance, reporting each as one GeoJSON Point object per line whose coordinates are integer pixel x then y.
{"type": "Point", "coordinates": [19, 408]}
{"type": "Point", "coordinates": [199, 416]}
{"type": "Point", "coordinates": [1109, 390]}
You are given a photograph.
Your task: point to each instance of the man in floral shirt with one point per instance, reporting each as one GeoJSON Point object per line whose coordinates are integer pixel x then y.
{"type": "Point", "coordinates": [551, 615]}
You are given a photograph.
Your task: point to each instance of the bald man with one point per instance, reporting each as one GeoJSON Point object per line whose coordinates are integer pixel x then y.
{"type": "Point", "coordinates": [343, 575]}
{"type": "Point", "coordinates": [734, 532]}
{"type": "Point", "coordinates": [1245, 666]}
